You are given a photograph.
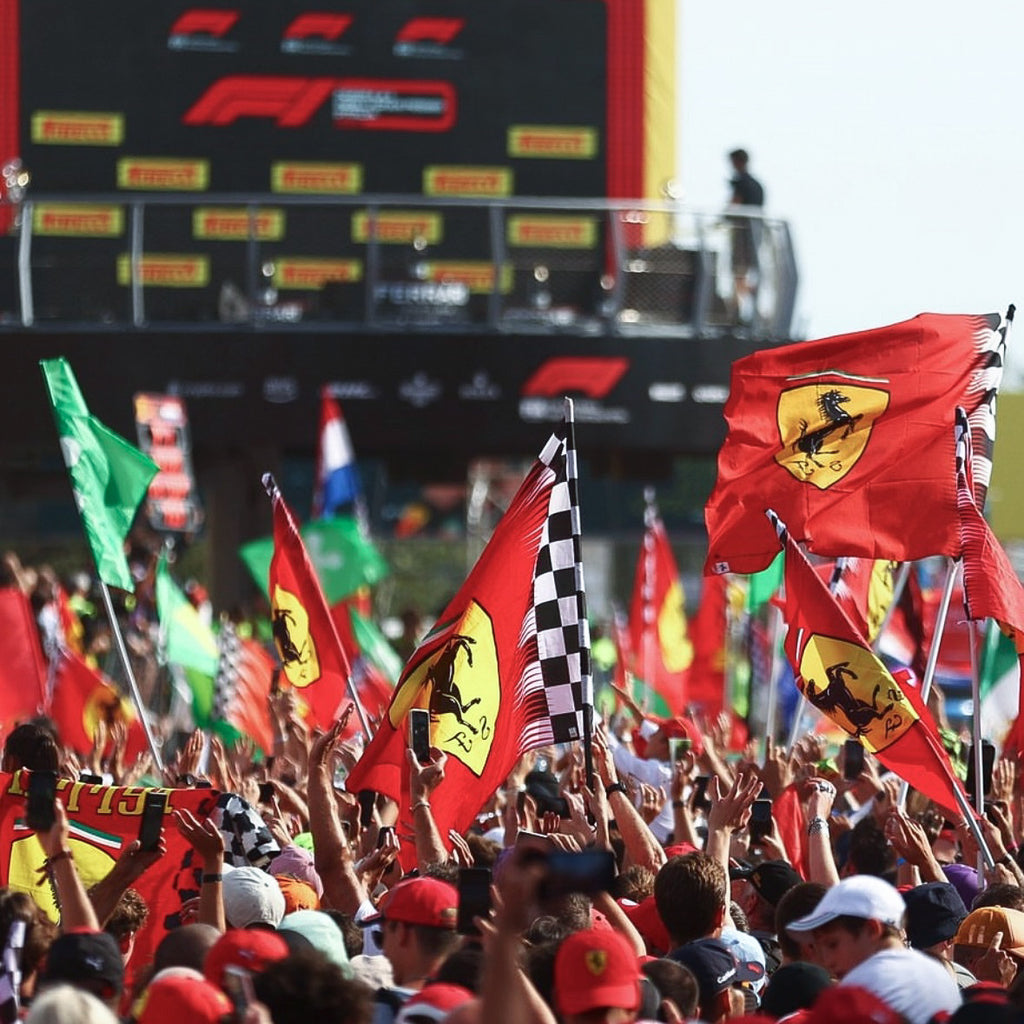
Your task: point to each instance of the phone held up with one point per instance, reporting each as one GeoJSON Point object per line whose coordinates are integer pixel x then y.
{"type": "Point", "coordinates": [474, 898]}
{"type": "Point", "coordinates": [419, 734]}
{"type": "Point", "coordinates": [853, 759]}
{"type": "Point", "coordinates": [760, 820]}
{"type": "Point", "coordinates": [152, 823]}
{"type": "Point", "coordinates": [40, 813]}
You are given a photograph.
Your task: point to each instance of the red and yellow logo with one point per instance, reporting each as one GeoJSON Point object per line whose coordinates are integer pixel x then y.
{"type": "Point", "coordinates": [458, 681]}
{"type": "Point", "coordinates": [493, 182]}
{"type": "Point", "coordinates": [552, 232]}
{"type": "Point", "coordinates": [824, 429]}
{"type": "Point", "coordinates": [854, 689]}
{"type": "Point", "coordinates": [83, 220]}
{"type": "Point", "coordinates": [324, 178]}
{"type": "Point", "coordinates": [166, 270]}
{"type": "Point", "coordinates": [398, 227]}
{"type": "Point", "coordinates": [70, 128]}
{"type": "Point", "coordinates": [235, 224]}
{"type": "Point", "coordinates": [155, 174]}
{"type": "Point", "coordinates": [476, 275]}
{"type": "Point", "coordinates": [293, 640]}
{"type": "Point", "coordinates": [313, 274]}
{"type": "Point", "coordinates": [552, 142]}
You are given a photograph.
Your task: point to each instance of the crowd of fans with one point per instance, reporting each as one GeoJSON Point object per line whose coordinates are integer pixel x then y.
{"type": "Point", "coordinates": [631, 888]}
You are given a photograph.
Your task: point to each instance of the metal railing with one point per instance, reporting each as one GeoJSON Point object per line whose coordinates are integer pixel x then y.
{"type": "Point", "coordinates": [377, 262]}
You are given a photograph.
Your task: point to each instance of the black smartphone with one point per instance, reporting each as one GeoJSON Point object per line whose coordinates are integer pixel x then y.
{"type": "Point", "coordinates": [367, 801]}
{"type": "Point", "coordinates": [760, 820]}
{"type": "Point", "coordinates": [92, 779]}
{"type": "Point", "coordinates": [42, 792]}
{"type": "Point", "coordinates": [700, 793]}
{"type": "Point", "coordinates": [266, 792]}
{"type": "Point", "coordinates": [853, 759]}
{"type": "Point", "coordinates": [588, 872]}
{"type": "Point", "coordinates": [419, 734]}
{"type": "Point", "coordinates": [988, 760]}
{"type": "Point", "coordinates": [474, 898]}
{"type": "Point", "coordinates": [382, 834]}
{"type": "Point", "coordinates": [152, 823]}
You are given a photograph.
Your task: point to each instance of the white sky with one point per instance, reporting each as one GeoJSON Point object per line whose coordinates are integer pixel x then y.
{"type": "Point", "coordinates": [889, 134]}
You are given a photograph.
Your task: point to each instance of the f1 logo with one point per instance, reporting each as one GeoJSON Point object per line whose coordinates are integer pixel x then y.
{"type": "Point", "coordinates": [594, 376]}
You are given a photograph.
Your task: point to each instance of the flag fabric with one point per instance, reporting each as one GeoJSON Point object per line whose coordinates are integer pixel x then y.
{"type": "Point", "coordinates": [373, 685]}
{"type": "Point", "coordinates": [337, 476]}
{"type": "Point", "coordinates": [999, 677]}
{"type": "Point", "coordinates": [23, 669]}
{"type": "Point", "coordinates": [307, 643]}
{"type": "Point", "coordinates": [763, 585]}
{"type": "Point", "coordinates": [83, 698]}
{"type": "Point", "coordinates": [864, 588]}
{"type": "Point", "coordinates": [850, 440]}
{"type": "Point", "coordinates": [706, 687]}
{"type": "Point", "coordinates": [506, 668]}
{"type": "Point", "coordinates": [109, 476]}
{"type": "Point", "coordinates": [103, 821]}
{"type": "Point", "coordinates": [662, 649]}
{"type": "Point", "coordinates": [841, 676]}
{"type": "Point", "coordinates": [245, 673]}
{"type": "Point", "coordinates": [344, 559]}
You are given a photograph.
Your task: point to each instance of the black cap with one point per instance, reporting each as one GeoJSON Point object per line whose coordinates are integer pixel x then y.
{"type": "Point", "coordinates": [934, 913]}
{"type": "Point", "coordinates": [88, 960]}
{"type": "Point", "coordinates": [794, 987]}
{"type": "Point", "coordinates": [712, 963]}
{"type": "Point", "coordinates": [771, 878]}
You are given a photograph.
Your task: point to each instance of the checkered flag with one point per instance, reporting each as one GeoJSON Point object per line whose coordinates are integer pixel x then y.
{"type": "Point", "coordinates": [559, 598]}
{"type": "Point", "coordinates": [225, 685]}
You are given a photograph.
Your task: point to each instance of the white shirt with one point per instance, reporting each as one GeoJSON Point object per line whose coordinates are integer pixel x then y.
{"type": "Point", "coordinates": [913, 984]}
{"type": "Point", "coordinates": [654, 773]}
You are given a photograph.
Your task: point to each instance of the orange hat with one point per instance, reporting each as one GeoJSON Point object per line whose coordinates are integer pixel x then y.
{"type": "Point", "coordinates": [596, 969]}
{"type": "Point", "coordinates": [297, 895]}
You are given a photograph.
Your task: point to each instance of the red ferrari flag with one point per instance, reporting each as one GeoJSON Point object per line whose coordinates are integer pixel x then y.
{"type": "Point", "coordinates": [307, 642]}
{"type": "Point", "coordinates": [22, 665]}
{"type": "Point", "coordinates": [662, 650]}
{"type": "Point", "coordinates": [507, 666]}
{"type": "Point", "coordinates": [991, 587]}
{"type": "Point", "coordinates": [850, 440]}
{"type": "Point", "coordinates": [839, 674]}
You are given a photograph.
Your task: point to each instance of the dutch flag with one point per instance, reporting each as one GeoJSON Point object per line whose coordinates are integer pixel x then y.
{"type": "Point", "coordinates": [337, 477]}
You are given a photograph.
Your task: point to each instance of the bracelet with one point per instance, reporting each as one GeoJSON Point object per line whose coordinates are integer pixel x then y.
{"type": "Point", "coordinates": [817, 826]}
{"type": "Point", "coordinates": [59, 855]}
{"type": "Point", "coordinates": [421, 803]}
{"type": "Point", "coordinates": [678, 805]}
{"type": "Point", "coordinates": [615, 787]}
{"type": "Point", "coordinates": [212, 877]}
{"type": "Point", "coordinates": [1006, 860]}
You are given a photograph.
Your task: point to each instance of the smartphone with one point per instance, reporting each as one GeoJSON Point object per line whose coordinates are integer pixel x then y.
{"type": "Point", "coordinates": [266, 792]}
{"type": "Point", "coordinates": [42, 792]}
{"type": "Point", "coordinates": [90, 778]}
{"type": "Point", "coordinates": [760, 820]}
{"type": "Point", "coordinates": [367, 802]}
{"type": "Point", "coordinates": [237, 984]}
{"type": "Point", "coordinates": [536, 841]}
{"type": "Point", "coordinates": [853, 759]}
{"type": "Point", "coordinates": [700, 793]}
{"type": "Point", "coordinates": [474, 898]}
{"type": "Point", "coordinates": [588, 872]}
{"type": "Point", "coordinates": [988, 759]}
{"type": "Point", "coordinates": [152, 823]}
{"type": "Point", "coordinates": [419, 734]}
{"type": "Point", "coordinates": [382, 834]}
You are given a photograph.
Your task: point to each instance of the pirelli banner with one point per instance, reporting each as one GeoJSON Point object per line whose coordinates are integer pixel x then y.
{"type": "Point", "coordinates": [434, 97]}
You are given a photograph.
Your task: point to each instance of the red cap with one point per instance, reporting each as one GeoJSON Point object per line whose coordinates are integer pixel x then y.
{"type": "Point", "coordinates": [423, 900]}
{"type": "Point", "coordinates": [682, 728]}
{"type": "Point", "coordinates": [252, 948]}
{"type": "Point", "coordinates": [647, 921]}
{"type": "Point", "coordinates": [851, 1004]}
{"type": "Point", "coordinates": [174, 998]}
{"type": "Point", "coordinates": [434, 1002]}
{"type": "Point", "coordinates": [596, 969]}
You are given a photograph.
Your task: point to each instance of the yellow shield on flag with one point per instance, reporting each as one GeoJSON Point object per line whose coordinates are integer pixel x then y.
{"type": "Point", "coordinates": [852, 687]}
{"type": "Point", "coordinates": [458, 682]}
{"type": "Point", "coordinates": [824, 429]}
{"type": "Point", "coordinates": [293, 640]}
{"type": "Point", "coordinates": [676, 647]}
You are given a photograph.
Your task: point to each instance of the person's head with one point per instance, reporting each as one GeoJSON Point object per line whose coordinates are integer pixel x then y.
{"type": "Point", "coordinates": [307, 987]}
{"type": "Point", "coordinates": [321, 932]}
{"type": "Point", "coordinates": [65, 1004]}
{"type": "Point", "coordinates": [635, 883]}
{"type": "Point", "coordinates": [433, 1003]}
{"type": "Point", "coordinates": [88, 960]}
{"type": "Point", "coordinates": [739, 158]}
{"type": "Point", "coordinates": [252, 897]}
{"type": "Point", "coordinates": [870, 852]}
{"type": "Point", "coordinates": [760, 889]}
{"type": "Point", "coordinates": [295, 862]}
{"type": "Point", "coordinates": [676, 985]}
{"type": "Point", "coordinates": [31, 745]}
{"type": "Point", "coordinates": [252, 949]}
{"type": "Point", "coordinates": [978, 930]}
{"type": "Point", "coordinates": [186, 946]}
{"type": "Point", "coordinates": [1001, 894]}
{"type": "Point", "coordinates": [463, 967]}
{"type": "Point", "coordinates": [793, 987]}
{"type": "Point", "coordinates": [178, 995]}
{"type": "Point", "coordinates": [934, 913]}
{"type": "Point", "coordinates": [416, 923]}
{"type": "Point", "coordinates": [854, 920]}
{"type": "Point", "coordinates": [40, 932]}
{"type": "Point", "coordinates": [690, 896]}
{"type": "Point", "coordinates": [128, 917]}
{"type": "Point", "coordinates": [716, 971]}
{"type": "Point", "coordinates": [797, 903]}
{"type": "Point", "coordinates": [597, 979]}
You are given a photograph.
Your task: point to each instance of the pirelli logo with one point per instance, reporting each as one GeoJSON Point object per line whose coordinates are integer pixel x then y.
{"type": "Point", "coordinates": [313, 274]}
{"type": "Point", "coordinates": [552, 232]}
{"type": "Point", "coordinates": [166, 270]}
{"type": "Point", "coordinates": [156, 174]}
{"type": "Point", "coordinates": [552, 142]}
{"type": "Point", "coordinates": [235, 224]}
{"type": "Point", "coordinates": [495, 182]}
{"type": "Point", "coordinates": [71, 128]}
{"type": "Point", "coordinates": [398, 227]}
{"type": "Point", "coordinates": [476, 275]}
{"type": "Point", "coordinates": [318, 178]}
{"type": "Point", "coordinates": [77, 220]}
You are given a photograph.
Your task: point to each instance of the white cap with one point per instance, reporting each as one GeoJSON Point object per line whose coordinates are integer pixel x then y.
{"type": "Point", "coordinates": [857, 896]}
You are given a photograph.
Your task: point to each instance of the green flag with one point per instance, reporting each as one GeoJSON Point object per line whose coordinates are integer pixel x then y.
{"type": "Point", "coordinates": [344, 559]}
{"type": "Point", "coordinates": [763, 584]}
{"type": "Point", "coordinates": [375, 646]}
{"type": "Point", "coordinates": [188, 641]}
{"type": "Point", "coordinates": [108, 475]}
